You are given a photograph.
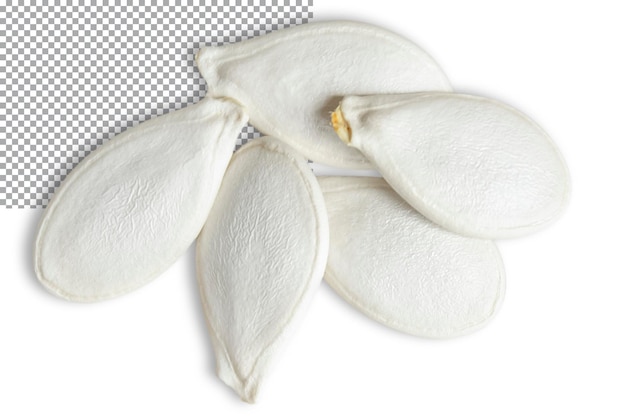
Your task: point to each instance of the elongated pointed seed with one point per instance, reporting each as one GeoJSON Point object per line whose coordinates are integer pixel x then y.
{"type": "Point", "coordinates": [260, 257]}
{"type": "Point", "coordinates": [402, 270]}
{"type": "Point", "coordinates": [291, 79]}
{"type": "Point", "coordinates": [133, 206]}
{"type": "Point", "coordinates": [473, 165]}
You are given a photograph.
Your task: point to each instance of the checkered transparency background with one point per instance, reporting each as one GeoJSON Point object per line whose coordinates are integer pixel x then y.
{"type": "Point", "coordinates": [72, 77]}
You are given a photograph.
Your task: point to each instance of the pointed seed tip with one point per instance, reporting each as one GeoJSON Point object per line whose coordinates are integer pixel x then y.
{"type": "Point", "coordinates": [341, 126]}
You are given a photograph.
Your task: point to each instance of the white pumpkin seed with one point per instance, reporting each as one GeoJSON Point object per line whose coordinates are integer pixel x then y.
{"type": "Point", "coordinates": [471, 164]}
{"type": "Point", "coordinates": [290, 80]}
{"type": "Point", "coordinates": [402, 270]}
{"type": "Point", "coordinates": [133, 206]}
{"type": "Point", "coordinates": [260, 256]}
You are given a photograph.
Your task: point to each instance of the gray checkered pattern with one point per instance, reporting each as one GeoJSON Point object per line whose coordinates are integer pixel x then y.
{"type": "Point", "coordinates": [71, 77]}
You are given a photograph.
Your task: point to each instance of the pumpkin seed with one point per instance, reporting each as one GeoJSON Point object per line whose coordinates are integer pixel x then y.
{"type": "Point", "coordinates": [133, 206]}
{"type": "Point", "coordinates": [290, 80]}
{"type": "Point", "coordinates": [473, 165]}
{"type": "Point", "coordinates": [260, 257]}
{"type": "Point", "coordinates": [402, 270]}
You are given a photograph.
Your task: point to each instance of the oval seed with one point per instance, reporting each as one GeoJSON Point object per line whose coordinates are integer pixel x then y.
{"type": "Point", "coordinates": [402, 270]}
{"type": "Point", "coordinates": [290, 80]}
{"type": "Point", "coordinates": [471, 164]}
{"type": "Point", "coordinates": [134, 205]}
{"type": "Point", "coordinates": [260, 257]}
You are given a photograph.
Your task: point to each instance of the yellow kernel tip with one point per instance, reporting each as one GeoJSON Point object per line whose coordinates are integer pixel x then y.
{"type": "Point", "coordinates": [341, 126]}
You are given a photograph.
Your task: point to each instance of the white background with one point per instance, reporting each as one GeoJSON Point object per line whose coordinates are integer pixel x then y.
{"type": "Point", "coordinates": [557, 347]}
